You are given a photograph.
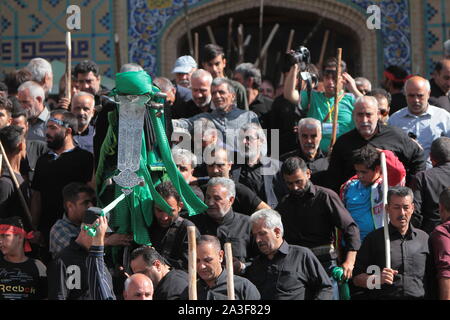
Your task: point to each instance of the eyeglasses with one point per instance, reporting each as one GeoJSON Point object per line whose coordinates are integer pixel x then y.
{"type": "Point", "coordinates": [384, 112]}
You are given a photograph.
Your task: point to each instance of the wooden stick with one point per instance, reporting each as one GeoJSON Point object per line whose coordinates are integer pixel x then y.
{"type": "Point", "coordinates": [117, 51]}
{"type": "Point", "coordinates": [192, 263]}
{"type": "Point", "coordinates": [240, 44]}
{"type": "Point", "coordinates": [336, 101]}
{"type": "Point", "coordinates": [230, 274]}
{"type": "Point", "coordinates": [229, 37]}
{"type": "Point", "coordinates": [266, 45]}
{"type": "Point", "coordinates": [324, 47]}
{"type": "Point", "coordinates": [261, 17]}
{"type": "Point", "coordinates": [68, 74]}
{"type": "Point", "coordinates": [212, 39]}
{"type": "Point", "coordinates": [196, 46]}
{"type": "Point", "coordinates": [188, 28]}
{"type": "Point", "coordinates": [290, 40]}
{"type": "Point", "coordinates": [387, 241]}
{"type": "Point", "coordinates": [16, 184]}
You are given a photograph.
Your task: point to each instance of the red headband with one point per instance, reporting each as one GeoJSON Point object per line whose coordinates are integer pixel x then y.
{"type": "Point", "coordinates": [391, 77]}
{"type": "Point", "coordinates": [9, 229]}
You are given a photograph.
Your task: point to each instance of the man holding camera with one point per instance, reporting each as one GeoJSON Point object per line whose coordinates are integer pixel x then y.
{"type": "Point", "coordinates": [320, 105]}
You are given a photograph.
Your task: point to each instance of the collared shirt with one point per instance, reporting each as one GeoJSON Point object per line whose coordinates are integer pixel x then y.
{"type": "Point", "coordinates": [430, 125]}
{"type": "Point", "coordinates": [243, 289]}
{"type": "Point", "coordinates": [230, 121]}
{"type": "Point", "coordinates": [427, 186]}
{"type": "Point", "coordinates": [410, 256]}
{"type": "Point", "coordinates": [99, 279]}
{"type": "Point", "coordinates": [310, 220]}
{"type": "Point", "coordinates": [387, 138]}
{"type": "Point", "coordinates": [294, 273]}
{"type": "Point", "coordinates": [234, 228]}
{"type": "Point", "coordinates": [172, 242]}
{"type": "Point", "coordinates": [251, 176]}
{"type": "Point", "coordinates": [62, 232]}
{"type": "Point", "coordinates": [58, 274]}
{"type": "Point", "coordinates": [85, 140]}
{"type": "Point", "coordinates": [172, 286]}
{"type": "Point", "coordinates": [440, 243]}
{"type": "Point", "coordinates": [36, 131]}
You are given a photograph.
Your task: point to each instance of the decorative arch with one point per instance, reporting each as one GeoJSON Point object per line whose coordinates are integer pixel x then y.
{"type": "Point", "coordinates": [344, 14]}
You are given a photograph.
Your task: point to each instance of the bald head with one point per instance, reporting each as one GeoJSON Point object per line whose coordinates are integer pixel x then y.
{"type": "Point", "coordinates": [417, 92]}
{"type": "Point", "coordinates": [138, 287]}
{"type": "Point", "coordinates": [441, 75]}
{"type": "Point", "coordinates": [365, 116]}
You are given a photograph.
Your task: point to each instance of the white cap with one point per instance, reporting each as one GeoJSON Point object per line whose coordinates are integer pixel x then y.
{"type": "Point", "coordinates": [184, 64]}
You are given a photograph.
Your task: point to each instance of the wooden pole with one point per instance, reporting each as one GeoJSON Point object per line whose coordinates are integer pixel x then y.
{"type": "Point", "coordinates": [387, 241]}
{"type": "Point", "coordinates": [229, 37]}
{"type": "Point", "coordinates": [188, 28]}
{"type": "Point", "coordinates": [16, 184]}
{"type": "Point", "coordinates": [117, 51]}
{"type": "Point", "coordinates": [230, 274]}
{"type": "Point", "coordinates": [240, 44]}
{"type": "Point", "coordinates": [290, 40]}
{"type": "Point", "coordinates": [196, 47]}
{"type": "Point", "coordinates": [212, 39]}
{"type": "Point", "coordinates": [261, 18]}
{"type": "Point", "coordinates": [266, 45]}
{"type": "Point", "coordinates": [322, 51]}
{"type": "Point", "coordinates": [68, 74]}
{"type": "Point", "coordinates": [336, 100]}
{"type": "Point", "coordinates": [192, 263]}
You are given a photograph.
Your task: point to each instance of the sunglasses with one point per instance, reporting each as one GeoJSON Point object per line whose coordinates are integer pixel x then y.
{"type": "Point", "coordinates": [384, 112]}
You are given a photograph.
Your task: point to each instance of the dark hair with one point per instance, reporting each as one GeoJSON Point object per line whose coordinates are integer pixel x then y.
{"type": "Point", "coordinates": [3, 87]}
{"type": "Point", "coordinates": [440, 150]}
{"type": "Point", "coordinates": [332, 63]}
{"type": "Point", "coordinates": [211, 51]}
{"type": "Point", "coordinates": [380, 92]}
{"type": "Point", "coordinates": [6, 104]}
{"type": "Point", "coordinates": [11, 136]}
{"type": "Point", "coordinates": [399, 192]}
{"type": "Point", "coordinates": [149, 255]}
{"type": "Point", "coordinates": [166, 190]}
{"type": "Point", "coordinates": [439, 65]}
{"type": "Point", "coordinates": [15, 78]}
{"type": "Point", "coordinates": [68, 117]}
{"type": "Point", "coordinates": [367, 156]}
{"type": "Point", "coordinates": [292, 164]}
{"type": "Point", "coordinates": [214, 241]}
{"type": "Point", "coordinates": [72, 191]}
{"type": "Point", "coordinates": [398, 73]}
{"type": "Point", "coordinates": [86, 66]}
{"type": "Point", "coordinates": [14, 221]}
{"type": "Point", "coordinates": [444, 199]}
{"type": "Point", "coordinates": [19, 111]}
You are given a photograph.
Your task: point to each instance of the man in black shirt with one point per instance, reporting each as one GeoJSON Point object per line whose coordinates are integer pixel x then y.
{"type": "Point", "coordinates": [246, 201]}
{"type": "Point", "coordinates": [283, 271]}
{"type": "Point", "coordinates": [440, 85]}
{"type": "Point", "coordinates": [370, 131]}
{"type": "Point", "coordinates": [428, 185]}
{"type": "Point", "coordinates": [212, 284]}
{"type": "Point", "coordinates": [168, 232]}
{"type": "Point", "coordinates": [169, 283]}
{"type": "Point", "coordinates": [311, 214]}
{"type": "Point", "coordinates": [256, 170]}
{"type": "Point", "coordinates": [221, 221]}
{"type": "Point", "coordinates": [411, 262]}
{"type": "Point", "coordinates": [65, 163]}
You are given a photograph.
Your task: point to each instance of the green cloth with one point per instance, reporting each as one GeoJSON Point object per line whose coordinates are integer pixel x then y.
{"type": "Point", "coordinates": [133, 82]}
{"type": "Point", "coordinates": [320, 107]}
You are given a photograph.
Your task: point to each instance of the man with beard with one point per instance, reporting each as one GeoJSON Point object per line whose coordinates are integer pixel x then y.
{"type": "Point", "coordinates": [83, 108]}
{"type": "Point", "coordinates": [221, 221]}
{"type": "Point", "coordinates": [257, 171]}
{"type": "Point", "coordinates": [369, 130]}
{"type": "Point", "coordinates": [31, 96]}
{"type": "Point", "coordinates": [440, 85]}
{"type": "Point", "coordinates": [424, 121]}
{"type": "Point", "coordinates": [310, 215]}
{"type": "Point", "coordinates": [63, 164]}
{"type": "Point", "coordinates": [201, 96]}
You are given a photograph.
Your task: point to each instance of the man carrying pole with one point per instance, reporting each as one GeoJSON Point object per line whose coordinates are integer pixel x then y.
{"type": "Point", "coordinates": [213, 284]}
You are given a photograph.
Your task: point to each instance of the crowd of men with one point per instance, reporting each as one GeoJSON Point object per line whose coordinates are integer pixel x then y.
{"type": "Point", "coordinates": [295, 206]}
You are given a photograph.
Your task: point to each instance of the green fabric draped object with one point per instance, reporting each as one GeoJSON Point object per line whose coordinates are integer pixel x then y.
{"type": "Point", "coordinates": [135, 213]}
{"type": "Point", "coordinates": [344, 291]}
